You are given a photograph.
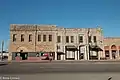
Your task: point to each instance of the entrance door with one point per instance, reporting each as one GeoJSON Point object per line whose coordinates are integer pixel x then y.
{"type": "Point", "coordinates": [113, 54]}
{"type": "Point", "coordinates": [70, 55]}
{"type": "Point", "coordinates": [81, 52]}
{"type": "Point", "coordinates": [58, 56]}
{"type": "Point", "coordinates": [24, 56]}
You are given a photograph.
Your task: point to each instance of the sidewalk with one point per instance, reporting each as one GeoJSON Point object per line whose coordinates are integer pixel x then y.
{"type": "Point", "coordinates": [60, 61]}
{"type": "Point", "coordinates": [35, 61]}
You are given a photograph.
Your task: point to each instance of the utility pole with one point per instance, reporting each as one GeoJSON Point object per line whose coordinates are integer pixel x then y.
{"type": "Point", "coordinates": [2, 50]}
{"type": "Point", "coordinates": [88, 54]}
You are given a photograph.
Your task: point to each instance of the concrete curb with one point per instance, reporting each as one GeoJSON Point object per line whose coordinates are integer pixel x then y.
{"type": "Point", "coordinates": [47, 61]}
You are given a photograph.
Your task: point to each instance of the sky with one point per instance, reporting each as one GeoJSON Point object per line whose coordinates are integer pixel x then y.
{"type": "Point", "coordinates": [65, 13]}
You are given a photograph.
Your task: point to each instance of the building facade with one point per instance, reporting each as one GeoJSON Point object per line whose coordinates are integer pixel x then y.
{"type": "Point", "coordinates": [112, 47]}
{"type": "Point", "coordinates": [60, 43]}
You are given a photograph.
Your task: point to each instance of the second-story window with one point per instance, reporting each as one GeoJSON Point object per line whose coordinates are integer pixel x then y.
{"type": "Point", "coordinates": [44, 38]}
{"type": "Point", "coordinates": [94, 38]}
{"type": "Point", "coordinates": [80, 39]}
{"type": "Point", "coordinates": [58, 47]}
{"type": "Point", "coordinates": [67, 39]}
{"type": "Point", "coordinates": [89, 39]}
{"type": "Point", "coordinates": [72, 39]}
{"type": "Point", "coordinates": [58, 39]}
{"type": "Point", "coordinates": [14, 37]}
{"type": "Point", "coordinates": [22, 37]}
{"type": "Point", "coordinates": [39, 37]}
{"type": "Point", "coordinates": [30, 37]}
{"type": "Point", "coordinates": [50, 37]}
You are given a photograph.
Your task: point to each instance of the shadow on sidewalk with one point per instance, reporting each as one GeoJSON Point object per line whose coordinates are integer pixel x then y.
{"type": "Point", "coordinates": [2, 64]}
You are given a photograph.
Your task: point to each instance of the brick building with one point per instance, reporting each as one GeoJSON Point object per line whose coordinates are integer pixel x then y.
{"type": "Point", "coordinates": [60, 43]}
{"type": "Point", "coordinates": [112, 47]}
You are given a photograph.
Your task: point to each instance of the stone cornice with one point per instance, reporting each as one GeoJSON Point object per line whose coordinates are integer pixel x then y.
{"type": "Point", "coordinates": [30, 27]}
{"type": "Point", "coordinates": [22, 27]}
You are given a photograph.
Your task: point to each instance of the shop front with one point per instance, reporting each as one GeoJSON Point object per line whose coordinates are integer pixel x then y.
{"type": "Point", "coordinates": [71, 52]}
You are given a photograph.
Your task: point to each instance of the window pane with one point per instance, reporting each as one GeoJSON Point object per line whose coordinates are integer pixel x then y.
{"type": "Point", "coordinates": [94, 37]}
{"type": "Point", "coordinates": [58, 39]}
{"type": "Point", "coordinates": [67, 39]}
{"type": "Point", "coordinates": [89, 39]}
{"type": "Point", "coordinates": [14, 37]}
{"type": "Point", "coordinates": [39, 37]}
{"type": "Point", "coordinates": [50, 37]}
{"type": "Point", "coordinates": [58, 47]}
{"type": "Point", "coordinates": [119, 52]}
{"type": "Point", "coordinates": [72, 39]}
{"type": "Point", "coordinates": [22, 37]}
{"type": "Point", "coordinates": [44, 37]}
{"type": "Point", "coordinates": [30, 37]}
{"type": "Point", "coordinates": [80, 39]}
{"type": "Point", "coordinates": [106, 53]}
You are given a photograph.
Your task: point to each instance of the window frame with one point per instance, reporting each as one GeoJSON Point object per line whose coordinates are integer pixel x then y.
{"type": "Point", "coordinates": [44, 38]}
{"type": "Point", "coordinates": [72, 39]}
{"type": "Point", "coordinates": [22, 37]}
{"type": "Point", "coordinates": [39, 37]}
{"type": "Point", "coordinates": [30, 37]}
{"type": "Point", "coordinates": [89, 39]}
{"type": "Point", "coordinates": [67, 39]}
{"type": "Point", "coordinates": [50, 38]}
{"type": "Point", "coordinates": [80, 39]}
{"type": "Point", "coordinates": [58, 39]}
{"type": "Point", "coordinates": [14, 37]}
{"type": "Point", "coordinates": [94, 39]}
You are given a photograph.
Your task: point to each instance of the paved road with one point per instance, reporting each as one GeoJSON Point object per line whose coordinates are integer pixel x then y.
{"type": "Point", "coordinates": [65, 76]}
{"type": "Point", "coordinates": [35, 68]}
{"type": "Point", "coordinates": [60, 71]}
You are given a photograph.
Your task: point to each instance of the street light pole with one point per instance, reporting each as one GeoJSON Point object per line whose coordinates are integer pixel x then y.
{"type": "Point", "coordinates": [2, 50]}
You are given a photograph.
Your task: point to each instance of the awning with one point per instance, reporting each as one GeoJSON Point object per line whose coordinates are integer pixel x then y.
{"type": "Point", "coordinates": [71, 47]}
{"type": "Point", "coordinates": [96, 48]}
{"type": "Point", "coordinates": [60, 52]}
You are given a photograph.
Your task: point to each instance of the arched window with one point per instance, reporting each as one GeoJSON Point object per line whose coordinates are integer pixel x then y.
{"type": "Point", "coordinates": [113, 47]}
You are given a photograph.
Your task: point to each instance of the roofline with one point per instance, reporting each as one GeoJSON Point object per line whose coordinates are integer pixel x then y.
{"type": "Point", "coordinates": [111, 37]}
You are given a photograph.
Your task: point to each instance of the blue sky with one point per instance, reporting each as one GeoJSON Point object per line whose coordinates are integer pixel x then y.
{"type": "Point", "coordinates": [66, 13]}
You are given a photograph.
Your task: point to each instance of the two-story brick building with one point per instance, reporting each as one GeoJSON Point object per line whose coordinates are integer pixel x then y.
{"type": "Point", "coordinates": [61, 43]}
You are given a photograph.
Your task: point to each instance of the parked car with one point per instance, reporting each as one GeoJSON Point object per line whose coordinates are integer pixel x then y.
{"type": "Point", "coordinates": [46, 57]}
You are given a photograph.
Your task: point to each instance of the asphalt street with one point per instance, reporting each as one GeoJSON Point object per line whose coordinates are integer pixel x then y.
{"type": "Point", "coordinates": [63, 76]}
{"type": "Point", "coordinates": [60, 71]}
{"type": "Point", "coordinates": [36, 68]}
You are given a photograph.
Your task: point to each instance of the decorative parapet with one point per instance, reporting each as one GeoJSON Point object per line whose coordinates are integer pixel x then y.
{"type": "Point", "coordinates": [35, 27]}
{"type": "Point", "coordinates": [46, 27]}
{"type": "Point", "coordinates": [22, 27]}
{"type": "Point", "coordinates": [30, 27]}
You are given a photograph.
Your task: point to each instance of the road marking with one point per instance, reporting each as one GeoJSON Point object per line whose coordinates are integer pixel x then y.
{"type": "Point", "coordinates": [52, 67]}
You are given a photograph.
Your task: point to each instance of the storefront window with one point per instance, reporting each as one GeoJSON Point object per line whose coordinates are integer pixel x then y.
{"type": "Point", "coordinates": [107, 53]}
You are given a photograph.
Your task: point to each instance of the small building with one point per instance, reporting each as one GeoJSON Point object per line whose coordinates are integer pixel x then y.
{"type": "Point", "coordinates": [112, 47]}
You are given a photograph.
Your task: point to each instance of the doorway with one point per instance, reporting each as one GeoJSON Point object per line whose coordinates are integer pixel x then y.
{"type": "Point", "coordinates": [58, 56]}
{"type": "Point", "coordinates": [114, 54]}
{"type": "Point", "coordinates": [24, 56]}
